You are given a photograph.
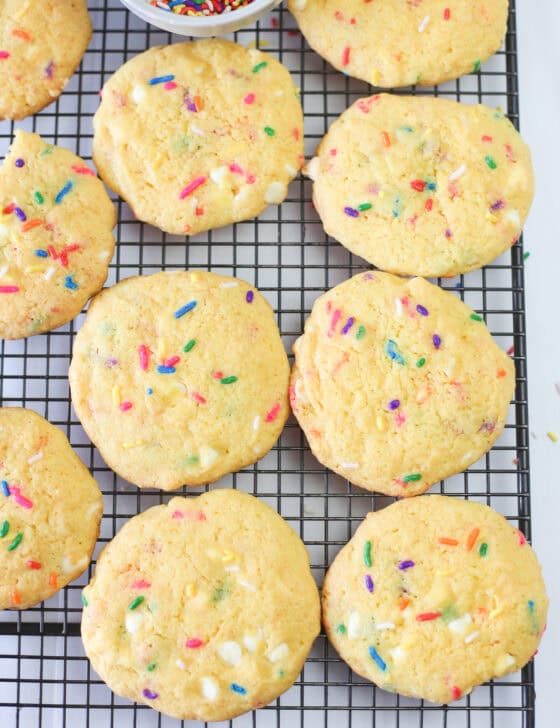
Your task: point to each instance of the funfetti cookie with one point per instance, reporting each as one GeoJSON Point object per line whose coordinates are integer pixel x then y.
{"type": "Point", "coordinates": [50, 510]}
{"type": "Point", "coordinates": [203, 608]}
{"type": "Point", "coordinates": [199, 135]}
{"type": "Point", "coordinates": [180, 378]}
{"type": "Point", "coordinates": [392, 43]}
{"type": "Point", "coordinates": [423, 186]}
{"type": "Point", "coordinates": [41, 45]}
{"type": "Point", "coordinates": [56, 238]}
{"type": "Point", "coordinates": [433, 596]}
{"type": "Point", "coordinates": [398, 384]}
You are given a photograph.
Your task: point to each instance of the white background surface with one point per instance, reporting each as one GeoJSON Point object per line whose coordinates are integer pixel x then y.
{"type": "Point", "coordinates": [539, 54]}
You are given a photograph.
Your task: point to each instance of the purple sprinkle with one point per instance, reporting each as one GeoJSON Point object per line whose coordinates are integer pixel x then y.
{"type": "Point", "coordinates": [351, 212]}
{"type": "Point", "coordinates": [249, 297]}
{"type": "Point", "coordinates": [499, 205]}
{"type": "Point", "coordinates": [421, 310]}
{"type": "Point", "coordinates": [448, 233]}
{"type": "Point", "coordinates": [49, 70]}
{"type": "Point", "coordinates": [19, 163]}
{"type": "Point", "coordinates": [406, 565]}
{"type": "Point", "coordinates": [189, 103]}
{"type": "Point", "coordinates": [369, 583]}
{"type": "Point", "coordinates": [111, 362]}
{"type": "Point", "coordinates": [436, 338]}
{"type": "Point", "coordinates": [150, 694]}
{"type": "Point", "coordinates": [394, 404]}
{"type": "Point", "coordinates": [348, 325]}
{"type": "Point", "coordinates": [19, 213]}
{"type": "Point", "coordinates": [369, 276]}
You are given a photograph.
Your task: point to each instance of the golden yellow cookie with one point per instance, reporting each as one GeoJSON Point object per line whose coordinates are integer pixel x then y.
{"type": "Point", "coordinates": [41, 45]}
{"type": "Point", "coordinates": [55, 236]}
{"type": "Point", "coordinates": [399, 43]}
{"type": "Point", "coordinates": [50, 510]}
{"type": "Point", "coordinates": [203, 608]}
{"type": "Point", "coordinates": [180, 378]}
{"type": "Point", "coordinates": [423, 186]}
{"type": "Point", "coordinates": [199, 135]}
{"type": "Point", "coordinates": [398, 384]}
{"type": "Point", "coordinates": [433, 596]}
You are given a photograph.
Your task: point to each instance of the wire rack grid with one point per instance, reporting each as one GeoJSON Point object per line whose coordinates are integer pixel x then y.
{"type": "Point", "coordinates": [45, 678]}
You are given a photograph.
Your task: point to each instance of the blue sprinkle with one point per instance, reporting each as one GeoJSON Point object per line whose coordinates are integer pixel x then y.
{"type": "Point", "coordinates": [166, 370]}
{"type": "Point", "coordinates": [185, 309]}
{"type": "Point", "coordinates": [149, 390]}
{"type": "Point", "coordinates": [431, 186]}
{"type": "Point", "coordinates": [530, 603]}
{"type": "Point", "coordinates": [63, 192]}
{"type": "Point", "coordinates": [238, 689]}
{"type": "Point", "coordinates": [374, 654]}
{"type": "Point", "coordinates": [70, 283]}
{"type": "Point", "coordinates": [160, 79]}
{"type": "Point", "coordinates": [41, 254]}
{"type": "Point", "coordinates": [5, 488]}
{"type": "Point", "coordinates": [397, 208]}
{"type": "Point", "coordinates": [392, 351]}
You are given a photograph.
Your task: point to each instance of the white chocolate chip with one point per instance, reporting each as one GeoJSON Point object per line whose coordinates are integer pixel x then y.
{"type": "Point", "coordinates": [397, 654]}
{"type": "Point", "coordinates": [460, 626]}
{"type": "Point", "coordinates": [218, 174]}
{"type": "Point", "coordinates": [299, 4]}
{"type": "Point", "coordinates": [256, 423]}
{"type": "Point", "coordinates": [398, 307]}
{"type": "Point", "coordinates": [132, 621]}
{"type": "Point", "coordinates": [230, 652]}
{"type": "Point", "coordinates": [354, 626]}
{"type": "Point", "coordinates": [180, 664]}
{"type": "Point", "coordinates": [292, 171]}
{"type": "Point", "coordinates": [210, 688]}
{"type": "Point", "coordinates": [513, 217]}
{"type": "Point", "coordinates": [251, 642]}
{"type": "Point", "coordinates": [279, 653]}
{"type": "Point", "coordinates": [138, 94]}
{"type": "Point", "coordinates": [207, 456]}
{"type": "Point", "coordinates": [275, 193]}
{"type": "Point", "coordinates": [311, 169]}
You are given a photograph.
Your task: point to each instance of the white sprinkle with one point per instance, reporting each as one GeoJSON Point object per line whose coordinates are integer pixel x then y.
{"type": "Point", "coordinates": [471, 638]}
{"type": "Point", "coordinates": [385, 625]}
{"type": "Point", "coordinates": [35, 458]}
{"type": "Point", "coordinates": [423, 24]}
{"type": "Point", "coordinates": [354, 626]}
{"type": "Point", "coordinates": [292, 171]}
{"type": "Point", "coordinates": [218, 174]}
{"type": "Point", "coordinates": [231, 568]}
{"type": "Point", "coordinates": [50, 273]}
{"type": "Point", "coordinates": [196, 130]}
{"type": "Point", "coordinates": [513, 217]}
{"type": "Point", "coordinates": [180, 664]}
{"type": "Point", "coordinates": [138, 94]}
{"type": "Point", "coordinates": [275, 193]}
{"type": "Point", "coordinates": [279, 653]}
{"type": "Point", "coordinates": [397, 654]}
{"type": "Point", "coordinates": [228, 284]}
{"type": "Point", "coordinates": [210, 688]}
{"type": "Point", "coordinates": [251, 642]}
{"type": "Point", "coordinates": [132, 621]}
{"type": "Point", "coordinates": [350, 466]}
{"type": "Point", "coordinates": [459, 626]}
{"type": "Point", "coordinates": [459, 172]}
{"type": "Point", "coordinates": [246, 584]}
{"type": "Point", "coordinates": [3, 271]}
{"type": "Point", "coordinates": [104, 254]}
{"type": "Point", "coordinates": [398, 306]}
{"type": "Point", "coordinates": [256, 423]}
{"type": "Point", "coordinates": [230, 652]}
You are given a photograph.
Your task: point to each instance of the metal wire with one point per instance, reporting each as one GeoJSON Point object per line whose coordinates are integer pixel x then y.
{"type": "Point", "coordinates": [45, 678]}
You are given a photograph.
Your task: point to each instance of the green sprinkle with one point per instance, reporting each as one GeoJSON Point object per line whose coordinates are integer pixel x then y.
{"type": "Point", "coordinates": [16, 542]}
{"type": "Point", "coordinates": [260, 66]}
{"type": "Point", "coordinates": [151, 667]}
{"type": "Point", "coordinates": [476, 317]}
{"type": "Point", "coordinates": [269, 130]}
{"type": "Point", "coordinates": [341, 629]}
{"type": "Point", "coordinates": [367, 554]}
{"type": "Point", "coordinates": [361, 333]}
{"type": "Point", "coordinates": [420, 363]}
{"type": "Point", "coordinates": [4, 528]}
{"type": "Point", "coordinates": [47, 150]}
{"type": "Point", "coordinates": [449, 614]}
{"type": "Point", "coordinates": [192, 459]}
{"type": "Point", "coordinates": [365, 206]}
{"type": "Point", "coordinates": [39, 199]}
{"type": "Point", "coordinates": [483, 550]}
{"type": "Point", "coordinates": [281, 673]}
{"type": "Point", "coordinates": [220, 593]}
{"type": "Point", "coordinates": [135, 603]}
{"type": "Point", "coordinates": [476, 67]}
{"type": "Point", "coordinates": [228, 380]}
{"type": "Point", "coordinates": [526, 255]}
{"type": "Point", "coordinates": [84, 600]}
{"type": "Point", "coordinates": [189, 346]}
{"type": "Point", "coordinates": [412, 477]}
{"type": "Point", "coordinates": [490, 162]}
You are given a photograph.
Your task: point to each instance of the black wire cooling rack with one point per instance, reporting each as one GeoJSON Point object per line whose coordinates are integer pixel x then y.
{"type": "Point", "coordinates": [45, 678]}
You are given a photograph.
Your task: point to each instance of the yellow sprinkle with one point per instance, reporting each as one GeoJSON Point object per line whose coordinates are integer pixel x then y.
{"type": "Point", "coordinates": [195, 277]}
{"type": "Point", "coordinates": [495, 612]}
{"type": "Point", "coordinates": [381, 194]}
{"type": "Point", "coordinates": [492, 218]}
{"type": "Point", "coordinates": [190, 590]}
{"type": "Point", "coordinates": [128, 445]}
{"type": "Point", "coordinates": [34, 269]}
{"type": "Point", "coordinates": [162, 348]}
{"type": "Point", "coordinates": [116, 395]}
{"type": "Point", "coordinates": [375, 78]}
{"type": "Point", "coordinates": [228, 556]}
{"type": "Point", "coordinates": [552, 436]}
{"type": "Point", "coordinates": [381, 423]}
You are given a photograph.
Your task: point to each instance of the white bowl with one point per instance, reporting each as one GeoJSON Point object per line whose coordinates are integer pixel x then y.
{"type": "Point", "coordinates": [201, 26]}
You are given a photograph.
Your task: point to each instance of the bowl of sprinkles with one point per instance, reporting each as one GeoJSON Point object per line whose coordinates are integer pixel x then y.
{"type": "Point", "coordinates": [200, 18]}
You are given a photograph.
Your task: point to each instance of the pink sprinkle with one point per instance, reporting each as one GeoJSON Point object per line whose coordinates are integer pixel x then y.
{"type": "Point", "coordinates": [172, 361]}
{"type": "Point", "coordinates": [273, 414]}
{"type": "Point", "coordinates": [189, 189]}
{"type": "Point", "coordinates": [522, 539]}
{"type": "Point", "coordinates": [141, 584]}
{"type": "Point", "coordinates": [249, 98]}
{"type": "Point", "coordinates": [144, 356]}
{"type": "Point", "coordinates": [335, 319]}
{"type": "Point", "coordinates": [486, 138]}
{"type": "Point", "coordinates": [83, 170]}
{"type": "Point", "coordinates": [400, 419]}
{"type": "Point", "coordinates": [194, 643]}
{"type": "Point", "coordinates": [9, 289]}
{"type": "Point", "coordinates": [198, 398]}
{"type": "Point", "coordinates": [235, 168]}
{"type": "Point", "coordinates": [125, 406]}
{"type": "Point", "coordinates": [4, 54]}
{"type": "Point", "coordinates": [218, 375]}
{"type": "Point", "coordinates": [191, 515]}
{"type": "Point", "coordinates": [170, 85]}
{"type": "Point", "coordinates": [19, 498]}
{"type": "Point", "coordinates": [251, 179]}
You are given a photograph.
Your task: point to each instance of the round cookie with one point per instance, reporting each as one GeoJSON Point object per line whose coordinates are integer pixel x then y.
{"type": "Point", "coordinates": [397, 384]}
{"type": "Point", "coordinates": [179, 378]}
{"type": "Point", "coordinates": [203, 608]}
{"type": "Point", "coordinates": [423, 186]}
{"type": "Point", "coordinates": [50, 510]}
{"type": "Point", "coordinates": [390, 43]}
{"type": "Point", "coordinates": [55, 236]}
{"type": "Point", "coordinates": [199, 135]}
{"type": "Point", "coordinates": [433, 596]}
{"type": "Point", "coordinates": [41, 45]}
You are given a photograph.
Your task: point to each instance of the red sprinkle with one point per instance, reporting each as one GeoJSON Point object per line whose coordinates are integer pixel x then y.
{"type": "Point", "coordinates": [273, 414]}
{"type": "Point", "coordinates": [418, 185]}
{"type": "Point", "coordinates": [33, 564]}
{"type": "Point", "coordinates": [522, 539]}
{"type": "Point", "coordinates": [429, 204]}
{"type": "Point", "coordinates": [486, 138]}
{"type": "Point", "coordinates": [455, 692]}
{"type": "Point", "coordinates": [446, 13]}
{"type": "Point", "coordinates": [82, 169]}
{"type": "Point", "coordinates": [194, 643]}
{"type": "Point", "coordinates": [141, 584]}
{"type": "Point", "coordinates": [427, 616]}
{"type": "Point", "coordinates": [198, 398]}
{"type": "Point", "coordinates": [346, 56]}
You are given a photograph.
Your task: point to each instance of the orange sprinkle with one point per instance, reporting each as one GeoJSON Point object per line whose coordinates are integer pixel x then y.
{"type": "Point", "coordinates": [403, 604]}
{"type": "Point", "coordinates": [471, 540]}
{"type": "Point", "coordinates": [16, 598]}
{"type": "Point", "coordinates": [21, 34]}
{"type": "Point", "coordinates": [501, 373]}
{"type": "Point", "coordinates": [53, 580]}
{"type": "Point", "coordinates": [30, 224]}
{"type": "Point", "coordinates": [198, 103]}
{"type": "Point", "coordinates": [386, 139]}
{"type": "Point", "coordinates": [448, 541]}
